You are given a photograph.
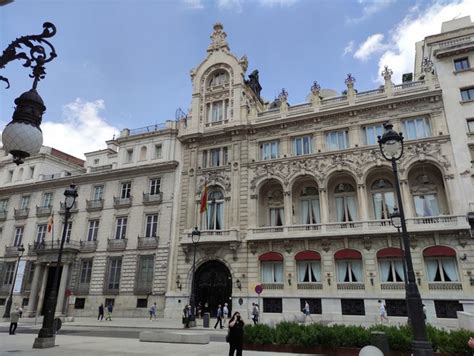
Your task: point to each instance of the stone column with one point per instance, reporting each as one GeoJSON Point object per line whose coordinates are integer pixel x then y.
{"type": "Point", "coordinates": [62, 289]}
{"type": "Point", "coordinates": [288, 208]}
{"type": "Point", "coordinates": [323, 201]}
{"type": "Point", "coordinates": [407, 199]}
{"type": "Point", "coordinates": [42, 292]}
{"type": "Point", "coordinates": [31, 309]}
{"type": "Point", "coordinates": [363, 206]}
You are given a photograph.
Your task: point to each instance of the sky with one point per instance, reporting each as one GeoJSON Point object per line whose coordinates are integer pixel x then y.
{"type": "Point", "coordinates": [126, 64]}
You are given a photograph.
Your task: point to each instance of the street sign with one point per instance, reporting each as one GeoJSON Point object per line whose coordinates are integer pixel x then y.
{"type": "Point", "coordinates": [258, 289]}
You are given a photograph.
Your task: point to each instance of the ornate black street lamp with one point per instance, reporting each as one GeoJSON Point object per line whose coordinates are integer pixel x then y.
{"type": "Point", "coordinates": [195, 237]}
{"type": "Point", "coordinates": [391, 146]}
{"type": "Point", "coordinates": [8, 307]}
{"type": "Point", "coordinates": [22, 137]}
{"type": "Point", "coordinates": [46, 334]}
{"type": "Point", "coordinates": [397, 223]}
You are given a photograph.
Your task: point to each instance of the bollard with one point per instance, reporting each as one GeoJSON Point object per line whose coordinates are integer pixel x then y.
{"type": "Point", "coordinates": [379, 339]}
{"type": "Point", "coordinates": [205, 320]}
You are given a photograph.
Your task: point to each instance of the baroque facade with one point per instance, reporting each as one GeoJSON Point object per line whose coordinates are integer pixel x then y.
{"type": "Point", "coordinates": [295, 198]}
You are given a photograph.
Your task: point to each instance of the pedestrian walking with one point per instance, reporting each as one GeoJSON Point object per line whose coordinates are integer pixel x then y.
{"type": "Point", "coordinates": [255, 313]}
{"type": "Point", "coordinates": [20, 311]}
{"type": "Point", "coordinates": [101, 312]}
{"type": "Point", "coordinates": [153, 311]}
{"type": "Point", "coordinates": [307, 312]}
{"type": "Point", "coordinates": [225, 312]}
{"type": "Point", "coordinates": [186, 315]}
{"type": "Point", "coordinates": [110, 308]}
{"type": "Point", "coordinates": [14, 316]}
{"type": "Point", "coordinates": [383, 312]}
{"type": "Point", "coordinates": [219, 317]}
{"type": "Point", "coordinates": [235, 337]}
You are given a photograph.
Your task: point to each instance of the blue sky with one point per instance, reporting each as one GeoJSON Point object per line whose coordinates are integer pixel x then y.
{"type": "Point", "coordinates": [126, 63]}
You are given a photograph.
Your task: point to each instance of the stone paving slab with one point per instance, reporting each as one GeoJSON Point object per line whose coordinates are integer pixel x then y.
{"type": "Point", "coordinates": [174, 337]}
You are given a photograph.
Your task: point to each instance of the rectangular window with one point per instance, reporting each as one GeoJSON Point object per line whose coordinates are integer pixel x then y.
{"type": "Point", "coordinates": [302, 145]}
{"type": "Point", "coordinates": [349, 271]}
{"type": "Point", "coordinates": [93, 230]}
{"type": "Point", "coordinates": [418, 127]}
{"type": "Point", "coordinates": [269, 150]}
{"type": "Point", "coordinates": [80, 303]}
{"type": "Point", "coordinates": [314, 305]}
{"type": "Point", "coordinates": [337, 140]}
{"type": "Point", "coordinates": [121, 228]}
{"type": "Point", "coordinates": [204, 159]}
{"type": "Point", "coordinates": [272, 272]}
{"type": "Point", "coordinates": [125, 190]}
{"type": "Point", "coordinates": [447, 308]}
{"type": "Point", "coordinates": [10, 176]}
{"type": "Point", "coordinates": [396, 307]}
{"type": "Point", "coordinates": [158, 150]}
{"type": "Point", "coordinates": [426, 205]}
{"type": "Point", "coordinates": [31, 274]}
{"type": "Point", "coordinates": [18, 235]}
{"type": "Point", "coordinates": [151, 225]}
{"type": "Point", "coordinates": [154, 186]}
{"type": "Point", "coordinates": [9, 272]}
{"type": "Point", "coordinates": [371, 134]}
{"type": "Point", "coordinates": [115, 268]}
{"type": "Point", "coordinates": [32, 172]}
{"type": "Point", "coordinates": [470, 125]}
{"type": "Point", "coordinates": [272, 305]}
{"type": "Point", "coordinates": [145, 272]}
{"type": "Point", "coordinates": [277, 216]}
{"type": "Point", "coordinates": [98, 192]}
{"type": "Point", "coordinates": [3, 205]}
{"type": "Point", "coordinates": [25, 201]}
{"type": "Point", "coordinates": [47, 199]}
{"type": "Point", "coordinates": [309, 271]}
{"type": "Point", "coordinates": [68, 231]}
{"type": "Point", "coordinates": [86, 272]}
{"type": "Point", "coordinates": [215, 157]}
{"type": "Point", "coordinates": [467, 94]}
{"type": "Point", "coordinates": [442, 270]}
{"type": "Point", "coordinates": [142, 303]}
{"type": "Point", "coordinates": [41, 233]}
{"type": "Point", "coordinates": [129, 156]}
{"type": "Point", "coordinates": [217, 111]}
{"type": "Point", "coordinates": [352, 307]}
{"type": "Point", "coordinates": [461, 64]}
{"type": "Point", "coordinates": [391, 270]}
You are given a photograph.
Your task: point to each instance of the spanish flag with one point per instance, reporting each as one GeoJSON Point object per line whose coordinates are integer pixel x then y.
{"type": "Point", "coordinates": [50, 222]}
{"type": "Point", "coordinates": [203, 207]}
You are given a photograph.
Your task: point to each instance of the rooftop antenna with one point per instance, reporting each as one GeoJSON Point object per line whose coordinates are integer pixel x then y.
{"type": "Point", "coordinates": [180, 114]}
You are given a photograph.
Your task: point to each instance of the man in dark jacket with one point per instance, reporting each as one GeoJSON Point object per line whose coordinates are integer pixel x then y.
{"type": "Point", "coordinates": [236, 335]}
{"type": "Point", "coordinates": [14, 316]}
{"type": "Point", "coordinates": [219, 316]}
{"type": "Point", "coordinates": [101, 312]}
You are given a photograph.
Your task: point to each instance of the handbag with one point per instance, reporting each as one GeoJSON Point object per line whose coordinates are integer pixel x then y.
{"type": "Point", "coordinates": [227, 337]}
{"type": "Point", "coordinates": [184, 320]}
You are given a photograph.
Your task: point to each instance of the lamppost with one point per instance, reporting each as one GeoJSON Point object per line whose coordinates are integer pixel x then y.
{"type": "Point", "coordinates": [22, 137]}
{"type": "Point", "coordinates": [397, 223]}
{"type": "Point", "coordinates": [8, 307]}
{"type": "Point", "coordinates": [195, 236]}
{"type": "Point", "coordinates": [391, 147]}
{"type": "Point", "coordinates": [46, 334]}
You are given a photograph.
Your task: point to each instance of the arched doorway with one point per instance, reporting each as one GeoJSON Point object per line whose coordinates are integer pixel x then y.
{"type": "Point", "coordinates": [213, 285]}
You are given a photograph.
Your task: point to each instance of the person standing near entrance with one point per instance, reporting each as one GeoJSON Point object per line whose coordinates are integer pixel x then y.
{"type": "Point", "coordinates": [219, 317]}
{"type": "Point", "coordinates": [236, 334]}
{"type": "Point", "coordinates": [110, 308]}
{"type": "Point", "coordinates": [225, 312]}
{"type": "Point", "coordinates": [101, 312]}
{"type": "Point", "coordinates": [14, 316]}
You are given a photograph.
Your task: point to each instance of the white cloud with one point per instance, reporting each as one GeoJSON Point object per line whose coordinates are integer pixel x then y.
{"type": "Point", "coordinates": [83, 129]}
{"type": "Point", "coordinates": [369, 8]}
{"type": "Point", "coordinates": [372, 44]}
{"type": "Point", "coordinates": [281, 3]}
{"type": "Point", "coordinates": [349, 48]}
{"type": "Point", "coordinates": [194, 4]}
{"type": "Point", "coordinates": [235, 5]}
{"type": "Point", "coordinates": [399, 52]}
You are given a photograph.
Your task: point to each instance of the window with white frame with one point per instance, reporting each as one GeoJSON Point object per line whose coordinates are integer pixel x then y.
{"type": "Point", "coordinates": [426, 204]}
{"type": "Point", "coordinates": [391, 270]}
{"type": "Point", "coordinates": [470, 125]}
{"type": "Point", "coordinates": [86, 271]}
{"type": "Point", "coordinates": [349, 271]}
{"type": "Point", "coordinates": [9, 273]}
{"type": "Point", "coordinates": [219, 78]}
{"type": "Point", "coordinates": [309, 205]}
{"type": "Point", "coordinates": [68, 228]}
{"type": "Point", "coordinates": [467, 94]}
{"type": "Point", "coordinates": [98, 192]}
{"type": "Point", "coordinates": [47, 200]}
{"type": "Point", "coordinates": [151, 226]}
{"type": "Point", "coordinates": [461, 64]}
{"type": "Point", "coordinates": [154, 186]}
{"type": "Point", "coordinates": [217, 111]}
{"type": "Point", "coordinates": [146, 265]}
{"type": "Point", "coordinates": [272, 272]}
{"type": "Point", "coordinates": [346, 204]}
{"type": "Point", "coordinates": [371, 133]}
{"type": "Point", "coordinates": [3, 205]}
{"type": "Point", "coordinates": [383, 198]}
{"type": "Point", "coordinates": [276, 210]}
{"type": "Point", "coordinates": [215, 157]}
{"type": "Point", "coordinates": [269, 150]}
{"type": "Point", "coordinates": [93, 230]}
{"type": "Point", "coordinates": [24, 202]}
{"type": "Point", "coordinates": [41, 233]}
{"type": "Point", "coordinates": [442, 269]}
{"type": "Point", "coordinates": [125, 190]}
{"type": "Point", "coordinates": [337, 140]}
{"type": "Point", "coordinates": [114, 271]}
{"type": "Point", "coordinates": [418, 127]}
{"type": "Point", "coordinates": [302, 145]}
{"type": "Point", "coordinates": [309, 271]}
{"type": "Point", "coordinates": [215, 210]}
{"type": "Point", "coordinates": [120, 228]}
{"type": "Point", "coordinates": [158, 150]}
{"type": "Point", "coordinates": [18, 236]}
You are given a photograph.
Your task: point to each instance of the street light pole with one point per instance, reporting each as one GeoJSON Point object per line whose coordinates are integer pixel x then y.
{"type": "Point", "coordinates": [195, 236]}
{"type": "Point", "coordinates": [8, 307]}
{"type": "Point", "coordinates": [46, 334]}
{"type": "Point", "coordinates": [391, 147]}
{"type": "Point", "coordinates": [396, 221]}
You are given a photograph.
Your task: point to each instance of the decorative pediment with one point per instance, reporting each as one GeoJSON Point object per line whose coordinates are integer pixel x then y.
{"type": "Point", "coordinates": [214, 178]}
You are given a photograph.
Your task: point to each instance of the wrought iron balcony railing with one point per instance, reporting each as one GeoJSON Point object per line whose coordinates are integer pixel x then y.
{"type": "Point", "coordinates": [47, 246]}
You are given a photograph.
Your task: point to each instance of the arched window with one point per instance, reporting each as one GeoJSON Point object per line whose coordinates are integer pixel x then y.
{"type": "Point", "coordinates": [219, 78]}
{"type": "Point", "coordinates": [391, 265]}
{"type": "Point", "coordinates": [271, 267]}
{"type": "Point", "coordinates": [276, 207]}
{"type": "Point", "coordinates": [383, 198]}
{"type": "Point", "coordinates": [349, 266]}
{"type": "Point", "coordinates": [309, 266]}
{"type": "Point", "coordinates": [309, 205]}
{"type": "Point", "coordinates": [425, 196]}
{"type": "Point", "coordinates": [143, 153]}
{"type": "Point", "coordinates": [346, 205]}
{"type": "Point", "coordinates": [440, 264]}
{"type": "Point", "coordinates": [215, 210]}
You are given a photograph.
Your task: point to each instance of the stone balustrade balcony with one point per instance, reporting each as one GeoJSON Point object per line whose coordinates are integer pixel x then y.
{"type": "Point", "coordinates": [309, 285]}
{"type": "Point", "coordinates": [88, 246]}
{"type": "Point", "coordinates": [147, 243]}
{"type": "Point", "coordinates": [116, 244]}
{"type": "Point", "coordinates": [94, 205]}
{"type": "Point", "coordinates": [43, 210]}
{"type": "Point", "coordinates": [21, 213]}
{"type": "Point", "coordinates": [47, 246]}
{"type": "Point", "coordinates": [350, 286]}
{"type": "Point", "coordinates": [3, 215]}
{"type": "Point", "coordinates": [62, 208]}
{"type": "Point", "coordinates": [151, 199]}
{"type": "Point", "coordinates": [11, 251]}
{"type": "Point", "coordinates": [122, 202]}
{"type": "Point", "coordinates": [445, 286]}
{"type": "Point", "coordinates": [213, 236]}
{"type": "Point", "coordinates": [82, 289]}
{"type": "Point", "coordinates": [143, 288]}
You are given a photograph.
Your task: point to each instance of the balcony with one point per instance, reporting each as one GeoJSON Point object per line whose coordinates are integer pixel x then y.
{"type": "Point", "coordinates": [43, 210]}
{"type": "Point", "coordinates": [116, 244]}
{"type": "Point", "coordinates": [122, 202]}
{"type": "Point", "coordinates": [350, 286]}
{"type": "Point", "coordinates": [454, 46]}
{"type": "Point", "coordinates": [273, 286]}
{"type": "Point", "coordinates": [391, 286]}
{"type": "Point", "coordinates": [3, 215]}
{"type": "Point", "coordinates": [147, 243]}
{"type": "Point", "coordinates": [448, 286]}
{"type": "Point", "coordinates": [88, 246]}
{"type": "Point", "coordinates": [354, 228]}
{"type": "Point", "coordinates": [94, 205]}
{"type": "Point", "coordinates": [310, 285]}
{"type": "Point", "coordinates": [21, 213]}
{"type": "Point", "coordinates": [51, 246]}
{"type": "Point", "coordinates": [151, 199]}
{"type": "Point", "coordinates": [62, 208]}
{"type": "Point", "coordinates": [11, 251]}
{"type": "Point", "coordinates": [213, 236]}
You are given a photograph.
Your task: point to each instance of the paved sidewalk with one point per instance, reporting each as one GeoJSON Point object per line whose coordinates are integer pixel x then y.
{"type": "Point", "coordinates": [21, 344]}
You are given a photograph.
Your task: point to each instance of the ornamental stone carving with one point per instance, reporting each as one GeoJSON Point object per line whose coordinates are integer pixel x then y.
{"type": "Point", "coordinates": [214, 178]}
{"type": "Point", "coordinates": [218, 39]}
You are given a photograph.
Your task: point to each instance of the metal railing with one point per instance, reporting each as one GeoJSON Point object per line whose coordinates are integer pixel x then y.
{"type": "Point", "coordinates": [54, 245]}
{"type": "Point", "coordinates": [445, 286]}
{"type": "Point", "coordinates": [147, 129]}
{"type": "Point", "coordinates": [309, 285]}
{"type": "Point", "coordinates": [350, 286]}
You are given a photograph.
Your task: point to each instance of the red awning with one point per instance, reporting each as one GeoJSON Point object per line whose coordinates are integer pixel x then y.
{"type": "Point", "coordinates": [307, 256]}
{"type": "Point", "coordinates": [348, 254]}
{"type": "Point", "coordinates": [390, 252]}
{"type": "Point", "coordinates": [439, 251]}
{"type": "Point", "coordinates": [271, 256]}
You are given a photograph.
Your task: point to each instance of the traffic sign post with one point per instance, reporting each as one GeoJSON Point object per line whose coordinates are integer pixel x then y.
{"type": "Point", "coordinates": [259, 290]}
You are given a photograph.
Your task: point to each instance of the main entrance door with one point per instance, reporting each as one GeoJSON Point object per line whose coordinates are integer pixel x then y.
{"type": "Point", "coordinates": [213, 286]}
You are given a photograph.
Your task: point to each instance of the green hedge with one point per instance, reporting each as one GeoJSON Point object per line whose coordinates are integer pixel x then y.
{"type": "Point", "coordinates": [399, 337]}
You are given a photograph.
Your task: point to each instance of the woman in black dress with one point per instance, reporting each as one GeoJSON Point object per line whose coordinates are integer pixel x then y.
{"type": "Point", "coordinates": [236, 334]}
